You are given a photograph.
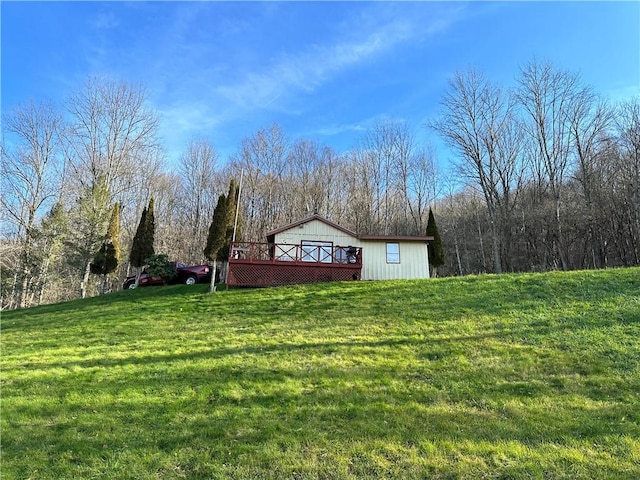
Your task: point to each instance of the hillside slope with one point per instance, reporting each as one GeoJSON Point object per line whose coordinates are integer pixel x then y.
{"type": "Point", "coordinates": [514, 376]}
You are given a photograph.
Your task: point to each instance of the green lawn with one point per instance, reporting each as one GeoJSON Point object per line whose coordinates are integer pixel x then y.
{"type": "Point", "coordinates": [513, 376]}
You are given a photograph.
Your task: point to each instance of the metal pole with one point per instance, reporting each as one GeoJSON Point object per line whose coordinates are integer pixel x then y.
{"type": "Point", "coordinates": [235, 222]}
{"type": "Point", "coordinates": [235, 226]}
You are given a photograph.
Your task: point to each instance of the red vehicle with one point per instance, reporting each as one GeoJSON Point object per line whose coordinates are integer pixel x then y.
{"type": "Point", "coordinates": [188, 275]}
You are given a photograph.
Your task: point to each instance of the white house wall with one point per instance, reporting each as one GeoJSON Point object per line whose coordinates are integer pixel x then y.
{"type": "Point", "coordinates": [318, 232]}
{"type": "Point", "coordinates": [414, 261]}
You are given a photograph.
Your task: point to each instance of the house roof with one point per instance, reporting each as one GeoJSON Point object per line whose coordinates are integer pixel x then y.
{"type": "Point", "coordinates": [402, 238]}
{"type": "Point", "coordinates": [271, 235]}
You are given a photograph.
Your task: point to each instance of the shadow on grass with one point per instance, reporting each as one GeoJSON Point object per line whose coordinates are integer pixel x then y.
{"type": "Point", "coordinates": [283, 348]}
{"type": "Point", "coordinates": [531, 372]}
{"type": "Point", "coordinates": [230, 411]}
{"type": "Point", "coordinates": [108, 306]}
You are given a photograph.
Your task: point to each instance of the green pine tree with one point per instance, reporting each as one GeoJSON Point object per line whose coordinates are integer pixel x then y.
{"type": "Point", "coordinates": [158, 265]}
{"type": "Point", "coordinates": [232, 201]}
{"type": "Point", "coordinates": [107, 258]}
{"type": "Point", "coordinates": [436, 252]}
{"type": "Point", "coordinates": [216, 238]}
{"type": "Point", "coordinates": [149, 232]}
{"type": "Point", "coordinates": [142, 245]}
{"type": "Point", "coordinates": [90, 220]}
{"type": "Point", "coordinates": [135, 256]}
{"type": "Point", "coordinates": [218, 229]}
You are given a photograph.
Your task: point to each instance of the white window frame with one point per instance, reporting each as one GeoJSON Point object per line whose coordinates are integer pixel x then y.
{"type": "Point", "coordinates": [393, 257]}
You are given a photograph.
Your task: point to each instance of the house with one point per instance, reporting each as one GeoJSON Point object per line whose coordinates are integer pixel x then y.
{"type": "Point", "coordinates": [315, 249]}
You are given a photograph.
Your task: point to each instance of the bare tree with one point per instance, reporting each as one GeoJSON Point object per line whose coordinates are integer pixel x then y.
{"type": "Point", "coordinates": [420, 186]}
{"type": "Point", "coordinates": [463, 229]}
{"type": "Point", "coordinates": [112, 134]}
{"type": "Point", "coordinates": [30, 183]}
{"type": "Point", "coordinates": [335, 174]}
{"type": "Point", "coordinates": [479, 122]}
{"type": "Point", "coordinates": [389, 145]}
{"type": "Point", "coordinates": [169, 208]}
{"type": "Point", "coordinates": [111, 143]}
{"type": "Point", "coordinates": [361, 212]}
{"type": "Point", "coordinates": [627, 180]}
{"type": "Point", "coordinates": [197, 171]}
{"type": "Point", "coordinates": [547, 96]}
{"type": "Point", "coordinates": [589, 120]}
{"type": "Point", "coordinates": [304, 172]}
{"type": "Point", "coordinates": [262, 157]}
{"type": "Point", "coordinates": [90, 218]}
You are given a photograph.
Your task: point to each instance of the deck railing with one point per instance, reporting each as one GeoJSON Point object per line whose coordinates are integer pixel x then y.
{"type": "Point", "coordinates": [251, 252]}
{"type": "Point", "coordinates": [269, 264]}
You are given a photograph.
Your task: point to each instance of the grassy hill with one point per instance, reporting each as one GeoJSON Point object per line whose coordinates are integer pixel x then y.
{"type": "Point", "coordinates": [514, 376]}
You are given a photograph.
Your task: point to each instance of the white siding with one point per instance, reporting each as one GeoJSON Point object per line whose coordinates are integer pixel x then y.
{"type": "Point", "coordinates": [317, 231]}
{"type": "Point", "coordinates": [414, 261]}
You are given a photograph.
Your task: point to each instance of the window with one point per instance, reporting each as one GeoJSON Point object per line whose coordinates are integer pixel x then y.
{"type": "Point", "coordinates": [317, 251]}
{"type": "Point", "coordinates": [393, 253]}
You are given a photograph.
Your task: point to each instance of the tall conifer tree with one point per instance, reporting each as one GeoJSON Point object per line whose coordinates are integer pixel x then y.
{"type": "Point", "coordinates": [142, 245]}
{"type": "Point", "coordinates": [149, 232]}
{"type": "Point", "coordinates": [232, 202]}
{"type": "Point", "coordinates": [135, 256]}
{"type": "Point", "coordinates": [108, 256]}
{"type": "Point", "coordinates": [217, 234]}
{"type": "Point", "coordinates": [436, 252]}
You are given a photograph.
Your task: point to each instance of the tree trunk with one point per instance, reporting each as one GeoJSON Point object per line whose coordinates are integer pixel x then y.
{"type": "Point", "coordinates": [26, 271]}
{"type": "Point", "coordinates": [560, 238]}
{"type": "Point", "coordinates": [212, 286]}
{"type": "Point", "coordinates": [484, 260]}
{"type": "Point", "coordinates": [455, 241]}
{"type": "Point", "coordinates": [85, 280]}
{"type": "Point", "coordinates": [44, 278]}
{"type": "Point", "coordinates": [23, 301]}
{"type": "Point", "coordinates": [495, 244]}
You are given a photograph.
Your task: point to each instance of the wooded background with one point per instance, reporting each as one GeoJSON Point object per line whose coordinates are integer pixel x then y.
{"type": "Point", "coordinates": [544, 175]}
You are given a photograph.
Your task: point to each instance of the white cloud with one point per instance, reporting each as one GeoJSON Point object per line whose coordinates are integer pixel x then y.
{"type": "Point", "coordinates": [336, 129]}
{"type": "Point", "coordinates": [184, 121]}
{"type": "Point", "coordinates": [190, 117]}
{"type": "Point", "coordinates": [306, 70]}
{"type": "Point", "coordinates": [235, 82]}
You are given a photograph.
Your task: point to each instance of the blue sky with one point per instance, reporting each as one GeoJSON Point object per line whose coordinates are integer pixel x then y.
{"type": "Point", "coordinates": [325, 71]}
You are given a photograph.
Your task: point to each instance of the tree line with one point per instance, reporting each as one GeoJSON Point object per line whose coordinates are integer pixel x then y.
{"type": "Point", "coordinates": [544, 175]}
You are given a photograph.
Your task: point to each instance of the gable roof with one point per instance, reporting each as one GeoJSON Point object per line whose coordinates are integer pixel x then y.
{"type": "Point", "coordinates": [271, 235]}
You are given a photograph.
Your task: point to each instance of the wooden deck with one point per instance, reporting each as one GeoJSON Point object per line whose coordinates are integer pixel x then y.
{"type": "Point", "coordinates": [271, 264]}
